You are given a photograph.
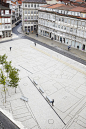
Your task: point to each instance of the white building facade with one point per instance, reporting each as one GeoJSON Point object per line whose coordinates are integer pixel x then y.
{"type": "Point", "coordinates": [5, 22]}
{"type": "Point", "coordinates": [30, 14]}
{"type": "Point", "coordinates": [66, 29]}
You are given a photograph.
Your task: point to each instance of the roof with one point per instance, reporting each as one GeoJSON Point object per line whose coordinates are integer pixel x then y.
{"type": "Point", "coordinates": [78, 9]}
{"type": "Point", "coordinates": [6, 123]}
{"type": "Point", "coordinates": [45, 5]}
{"type": "Point", "coordinates": [55, 6]}
{"type": "Point", "coordinates": [35, 1]}
{"type": "Point", "coordinates": [66, 7]}
{"type": "Point", "coordinates": [3, 7]}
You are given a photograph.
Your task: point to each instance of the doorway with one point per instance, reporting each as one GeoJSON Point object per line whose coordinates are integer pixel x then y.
{"type": "Point", "coordinates": [83, 47]}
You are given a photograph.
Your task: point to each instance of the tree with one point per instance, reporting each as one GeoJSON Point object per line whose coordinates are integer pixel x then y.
{"type": "Point", "coordinates": [14, 79]}
{"type": "Point", "coordinates": [7, 67]}
{"type": "Point", "coordinates": [3, 81]}
{"type": "Point", "coordinates": [3, 59]}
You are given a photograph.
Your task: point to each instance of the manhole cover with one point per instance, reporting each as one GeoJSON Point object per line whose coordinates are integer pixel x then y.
{"type": "Point", "coordinates": [50, 121]}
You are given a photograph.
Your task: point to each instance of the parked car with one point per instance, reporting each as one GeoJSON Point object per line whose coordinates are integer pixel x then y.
{"type": "Point", "coordinates": [17, 23]}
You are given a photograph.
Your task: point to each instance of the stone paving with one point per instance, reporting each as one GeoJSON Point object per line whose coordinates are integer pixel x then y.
{"type": "Point", "coordinates": [61, 79]}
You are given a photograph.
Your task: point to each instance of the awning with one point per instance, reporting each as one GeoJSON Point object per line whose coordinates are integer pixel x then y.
{"type": "Point", "coordinates": [1, 33]}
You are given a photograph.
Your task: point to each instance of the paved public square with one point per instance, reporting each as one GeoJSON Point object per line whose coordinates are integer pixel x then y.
{"type": "Point", "coordinates": [61, 79]}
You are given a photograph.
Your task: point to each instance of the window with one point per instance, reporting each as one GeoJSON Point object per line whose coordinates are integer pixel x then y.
{"type": "Point", "coordinates": [79, 23]}
{"type": "Point", "coordinates": [25, 17]}
{"type": "Point", "coordinates": [5, 26]}
{"type": "Point", "coordinates": [31, 17]}
{"type": "Point", "coordinates": [9, 26]}
{"type": "Point", "coordinates": [2, 12]}
{"type": "Point", "coordinates": [28, 5]}
{"type": "Point", "coordinates": [68, 21]}
{"type": "Point", "coordinates": [71, 29]}
{"type": "Point", "coordinates": [35, 5]}
{"type": "Point", "coordinates": [65, 20]}
{"type": "Point", "coordinates": [83, 23]}
{"type": "Point", "coordinates": [2, 20]}
{"type": "Point", "coordinates": [75, 22]}
{"type": "Point", "coordinates": [74, 31]}
{"type": "Point", "coordinates": [28, 17]}
{"type": "Point", "coordinates": [34, 17]}
{"type": "Point", "coordinates": [28, 12]}
{"type": "Point", "coordinates": [64, 28]}
{"type": "Point", "coordinates": [61, 27]}
{"type": "Point", "coordinates": [6, 11]}
{"type": "Point", "coordinates": [31, 5]}
{"type": "Point", "coordinates": [62, 19]}
{"type": "Point", "coordinates": [72, 22]}
{"type": "Point", "coordinates": [35, 12]}
{"type": "Point", "coordinates": [31, 12]}
{"type": "Point", "coordinates": [2, 26]}
{"type": "Point", "coordinates": [59, 19]}
{"type": "Point", "coordinates": [25, 5]}
{"type": "Point", "coordinates": [5, 20]}
{"type": "Point", "coordinates": [58, 26]}
{"type": "Point", "coordinates": [25, 12]}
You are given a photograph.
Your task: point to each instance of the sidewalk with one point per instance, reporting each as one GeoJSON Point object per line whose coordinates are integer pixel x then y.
{"type": "Point", "coordinates": [76, 52]}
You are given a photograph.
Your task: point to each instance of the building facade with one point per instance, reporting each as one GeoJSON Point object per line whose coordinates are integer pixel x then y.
{"type": "Point", "coordinates": [64, 23]}
{"type": "Point", "coordinates": [5, 20]}
{"type": "Point", "coordinates": [30, 14]}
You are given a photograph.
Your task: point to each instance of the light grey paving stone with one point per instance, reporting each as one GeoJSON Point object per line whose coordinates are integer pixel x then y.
{"type": "Point", "coordinates": [75, 126]}
{"type": "Point", "coordinates": [35, 127]}
{"type": "Point", "coordinates": [20, 111]}
{"type": "Point", "coordinates": [29, 123]}
{"type": "Point", "coordinates": [67, 119]}
{"type": "Point", "coordinates": [17, 116]}
{"type": "Point", "coordinates": [17, 103]}
{"type": "Point", "coordinates": [82, 119]}
{"type": "Point", "coordinates": [81, 123]}
{"type": "Point", "coordinates": [64, 100]}
{"type": "Point", "coordinates": [22, 119]}
{"type": "Point", "coordinates": [14, 97]}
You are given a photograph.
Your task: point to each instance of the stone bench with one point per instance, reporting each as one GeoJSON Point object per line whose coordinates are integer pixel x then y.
{"type": "Point", "coordinates": [34, 82]}
{"type": "Point", "coordinates": [48, 99]}
{"type": "Point", "coordinates": [24, 98]}
{"type": "Point", "coordinates": [41, 90]}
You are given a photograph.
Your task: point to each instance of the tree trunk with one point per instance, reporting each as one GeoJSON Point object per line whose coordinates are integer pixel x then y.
{"type": "Point", "coordinates": [5, 96]}
{"type": "Point", "coordinates": [15, 89]}
{"type": "Point", "coordinates": [5, 93]}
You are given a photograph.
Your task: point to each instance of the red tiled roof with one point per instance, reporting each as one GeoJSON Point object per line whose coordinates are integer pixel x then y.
{"type": "Point", "coordinates": [55, 6]}
{"type": "Point", "coordinates": [78, 9]}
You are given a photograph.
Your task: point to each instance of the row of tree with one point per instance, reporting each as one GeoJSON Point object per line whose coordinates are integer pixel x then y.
{"type": "Point", "coordinates": [12, 77]}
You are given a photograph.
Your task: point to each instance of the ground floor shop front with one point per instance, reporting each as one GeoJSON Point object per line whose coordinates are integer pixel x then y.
{"type": "Point", "coordinates": [67, 39]}
{"type": "Point", "coordinates": [4, 34]}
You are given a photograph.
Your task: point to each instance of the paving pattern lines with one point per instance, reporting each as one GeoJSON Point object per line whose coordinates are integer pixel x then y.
{"type": "Point", "coordinates": [73, 67]}
{"type": "Point", "coordinates": [78, 120]}
{"type": "Point", "coordinates": [18, 108]}
{"type": "Point", "coordinates": [41, 110]}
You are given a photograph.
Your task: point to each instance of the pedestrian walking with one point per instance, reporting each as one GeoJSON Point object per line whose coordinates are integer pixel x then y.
{"type": "Point", "coordinates": [35, 44]}
{"type": "Point", "coordinates": [52, 102]}
{"type": "Point", "coordinates": [52, 38]}
{"type": "Point", "coordinates": [10, 48]}
{"type": "Point", "coordinates": [69, 47]}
